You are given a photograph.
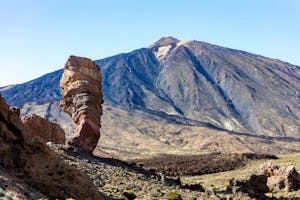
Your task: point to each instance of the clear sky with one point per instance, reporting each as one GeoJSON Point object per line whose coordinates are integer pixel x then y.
{"type": "Point", "coordinates": [37, 36]}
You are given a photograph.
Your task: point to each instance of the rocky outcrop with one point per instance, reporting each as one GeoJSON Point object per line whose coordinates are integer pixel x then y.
{"type": "Point", "coordinates": [12, 189]}
{"type": "Point", "coordinates": [44, 129]}
{"type": "Point", "coordinates": [31, 162]}
{"type": "Point", "coordinates": [82, 100]}
{"type": "Point", "coordinates": [281, 177]}
{"type": "Point", "coordinates": [255, 187]}
{"type": "Point", "coordinates": [272, 178]}
{"type": "Point", "coordinates": [15, 110]}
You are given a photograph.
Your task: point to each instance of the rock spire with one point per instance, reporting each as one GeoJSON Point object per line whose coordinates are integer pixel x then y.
{"type": "Point", "coordinates": [82, 100]}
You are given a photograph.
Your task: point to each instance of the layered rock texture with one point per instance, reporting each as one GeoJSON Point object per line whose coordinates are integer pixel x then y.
{"type": "Point", "coordinates": [47, 131]}
{"type": "Point", "coordinates": [31, 163]}
{"type": "Point", "coordinates": [183, 97]}
{"type": "Point", "coordinates": [82, 100]}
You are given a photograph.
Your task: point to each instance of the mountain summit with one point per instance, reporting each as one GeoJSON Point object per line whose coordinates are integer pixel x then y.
{"type": "Point", "coordinates": [164, 41]}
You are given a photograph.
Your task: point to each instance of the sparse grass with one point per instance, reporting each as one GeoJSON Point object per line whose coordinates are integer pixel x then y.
{"type": "Point", "coordinates": [221, 180]}
{"type": "Point", "coordinates": [244, 158]}
{"type": "Point", "coordinates": [140, 164]}
{"type": "Point", "coordinates": [173, 196]}
{"type": "Point", "coordinates": [59, 151]}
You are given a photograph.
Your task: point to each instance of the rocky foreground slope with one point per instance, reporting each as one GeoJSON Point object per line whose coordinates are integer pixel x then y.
{"type": "Point", "coordinates": [30, 170]}
{"type": "Point", "coordinates": [120, 180]}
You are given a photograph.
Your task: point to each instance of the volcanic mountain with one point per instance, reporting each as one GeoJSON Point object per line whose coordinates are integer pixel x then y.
{"type": "Point", "coordinates": [175, 95]}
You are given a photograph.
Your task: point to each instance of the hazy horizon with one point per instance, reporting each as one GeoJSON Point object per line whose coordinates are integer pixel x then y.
{"type": "Point", "coordinates": [36, 38]}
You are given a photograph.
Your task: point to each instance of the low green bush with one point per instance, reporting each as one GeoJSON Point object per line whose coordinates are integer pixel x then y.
{"type": "Point", "coordinates": [173, 196]}
{"type": "Point", "coordinates": [244, 157]}
{"type": "Point", "coordinates": [129, 194]}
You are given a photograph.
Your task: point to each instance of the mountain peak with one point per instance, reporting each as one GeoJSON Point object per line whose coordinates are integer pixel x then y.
{"type": "Point", "coordinates": [165, 41]}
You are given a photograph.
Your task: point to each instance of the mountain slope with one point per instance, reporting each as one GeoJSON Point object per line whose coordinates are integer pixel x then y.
{"type": "Point", "coordinates": [180, 84]}
{"type": "Point", "coordinates": [230, 89]}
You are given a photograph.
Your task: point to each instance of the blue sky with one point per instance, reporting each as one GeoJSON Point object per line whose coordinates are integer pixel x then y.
{"type": "Point", "coordinates": [36, 37]}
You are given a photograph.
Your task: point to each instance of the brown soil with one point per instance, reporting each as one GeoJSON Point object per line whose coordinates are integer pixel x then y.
{"type": "Point", "coordinates": [179, 165]}
{"type": "Point", "coordinates": [190, 165]}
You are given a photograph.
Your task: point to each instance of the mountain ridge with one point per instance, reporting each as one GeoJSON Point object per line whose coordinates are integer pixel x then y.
{"type": "Point", "coordinates": [181, 84]}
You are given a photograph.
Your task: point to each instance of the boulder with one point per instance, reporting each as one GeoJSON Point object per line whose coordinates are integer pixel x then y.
{"type": "Point", "coordinates": [281, 177]}
{"type": "Point", "coordinates": [82, 100]}
{"type": "Point", "coordinates": [272, 178]}
{"type": "Point", "coordinates": [32, 163]}
{"type": "Point", "coordinates": [15, 110]}
{"type": "Point", "coordinates": [255, 186]}
{"type": "Point", "coordinates": [46, 130]}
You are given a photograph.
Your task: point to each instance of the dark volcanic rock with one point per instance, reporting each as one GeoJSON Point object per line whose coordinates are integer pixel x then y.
{"type": "Point", "coordinates": [29, 161]}
{"type": "Point", "coordinates": [191, 165]}
{"type": "Point", "coordinates": [82, 99]}
{"type": "Point", "coordinates": [255, 187]}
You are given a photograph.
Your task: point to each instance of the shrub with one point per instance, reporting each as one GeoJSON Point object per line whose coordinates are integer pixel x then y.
{"type": "Point", "coordinates": [173, 196]}
{"type": "Point", "coordinates": [158, 190]}
{"type": "Point", "coordinates": [244, 157]}
{"type": "Point", "coordinates": [140, 164]}
{"type": "Point", "coordinates": [129, 194]}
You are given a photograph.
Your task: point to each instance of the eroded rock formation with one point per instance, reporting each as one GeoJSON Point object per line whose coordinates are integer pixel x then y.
{"type": "Point", "coordinates": [255, 187]}
{"type": "Point", "coordinates": [281, 177]}
{"type": "Point", "coordinates": [82, 100]}
{"type": "Point", "coordinates": [272, 178]}
{"type": "Point", "coordinates": [46, 130]}
{"type": "Point", "coordinates": [31, 162]}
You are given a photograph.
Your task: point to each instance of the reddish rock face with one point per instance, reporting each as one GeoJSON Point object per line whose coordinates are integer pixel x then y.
{"type": "Point", "coordinates": [31, 162]}
{"type": "Point", "coordinates": [46, 130]}
{"type": "Point", "coordinates": [82, 100]}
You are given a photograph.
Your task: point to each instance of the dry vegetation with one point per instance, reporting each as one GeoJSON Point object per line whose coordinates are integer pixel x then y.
{"type": "Point", "coordinates": [219, 181]}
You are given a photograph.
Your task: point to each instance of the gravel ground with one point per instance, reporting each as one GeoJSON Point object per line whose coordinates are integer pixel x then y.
{"type": "Point", "coordinates": [11, 189]}
{"type": "Point", "coordinates": [113, 177]}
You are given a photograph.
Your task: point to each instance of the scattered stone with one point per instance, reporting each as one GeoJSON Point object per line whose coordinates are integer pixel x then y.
{"type": "Point", "coordinates": [209, 191]}
{"type": "Point", "coordinates": [259, 156]}
{"type": "Point", "coordinates": [15, 110]}
{"type": "Point", "coordinates": [82, 99]}
{"type": "Point", "coordinates": [195, 187]}
{"type": "Point", "coordinates": [46, 130]}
